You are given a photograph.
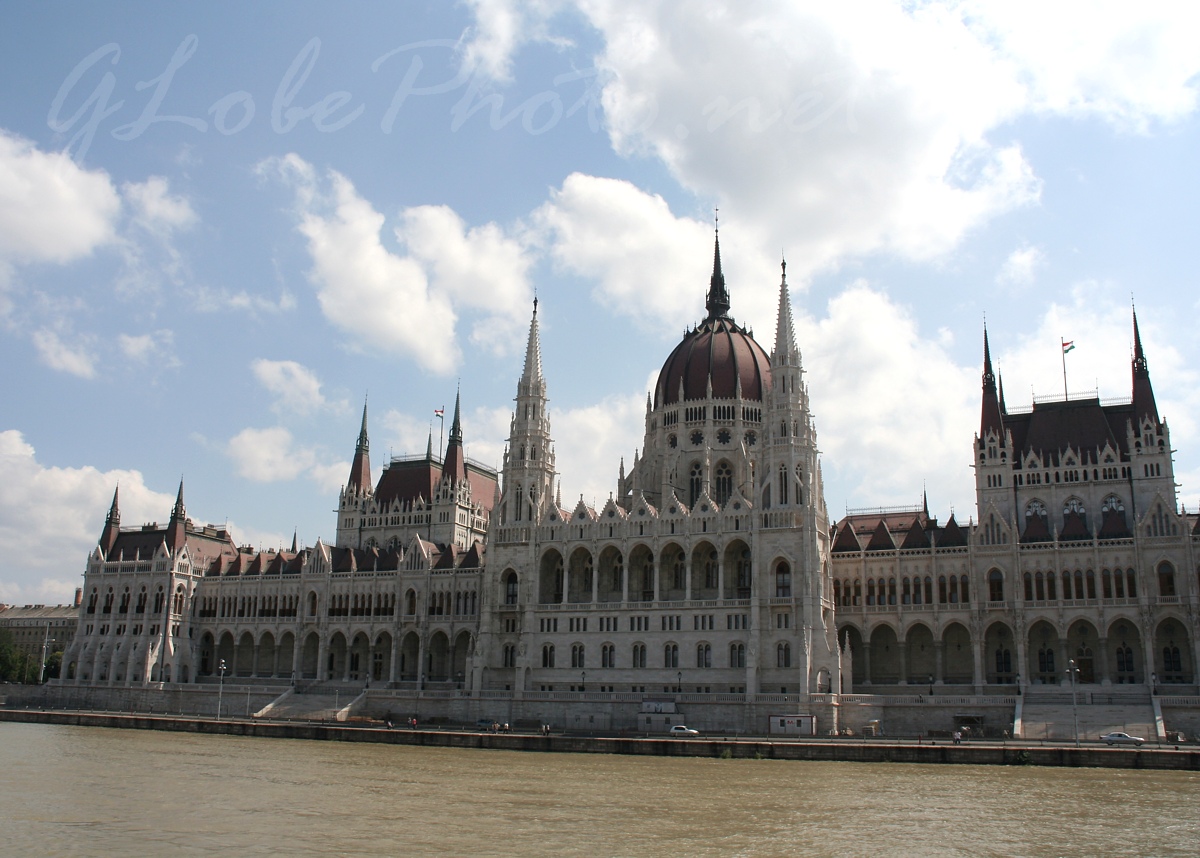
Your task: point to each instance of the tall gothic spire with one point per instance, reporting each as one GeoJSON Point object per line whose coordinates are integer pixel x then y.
{"type": "Point", "coordinates": [989, 418]}
{"type": "Point", "coordinates": [454, 466]}
{"type": "Point", "coordinates": [533, 350]}
{"type": "Point", "coordinates": [718, 295]}
{"type": "Point", "coordinates": [112, 524]}
{"type": "Point", "coordinates": [785, 332]}
{"type": "Point", "coordinates": [177, 527]}
{"type": "Point", "coordinates": [1143, 391]}
{"type": "Point", "coordinates": [360, 469]}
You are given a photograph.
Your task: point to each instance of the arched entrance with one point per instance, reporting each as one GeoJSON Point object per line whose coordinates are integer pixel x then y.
{"type": "Point", "coordinates": [999, 655]}
{"type": "Point", "coordinates": [921, 661]}
{"type": "Point", "coordinates": [958, 662]}
{"type": "Point", "coordinates": [1125, 653]}
{"type": "Point", "coordinates": [1172, 653]}
{"type": "Point", "coordinates": [1081, 645]}
{"type": "Point", "coordinates": [438, 669]}
{"type": "Point", "coordinates": [885, 656]}
{"type": "Point", "coordinates": [850, 640]}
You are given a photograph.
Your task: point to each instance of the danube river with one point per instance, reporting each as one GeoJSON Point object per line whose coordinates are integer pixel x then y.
{"type": "Point", "coordinates": [95, 791]}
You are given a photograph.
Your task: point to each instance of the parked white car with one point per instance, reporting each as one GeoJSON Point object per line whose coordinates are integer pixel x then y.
{"type": "Point", "coordinates": [680, 730]}
{"type": "Point", "coordinates": [1119, 738]}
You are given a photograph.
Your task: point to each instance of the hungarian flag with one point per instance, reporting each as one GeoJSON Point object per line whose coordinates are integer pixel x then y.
{"type": "Point", "coordinates": [1068, 346]}
{"type": "Point", "coordinates": [439, 411]}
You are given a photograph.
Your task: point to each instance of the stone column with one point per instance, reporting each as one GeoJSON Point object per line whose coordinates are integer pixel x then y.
{"type": "Point", "coordinates": [903, 648]}
{"type": "Point", "coordinates": [1102, 658]}
{"type": "Point", "coordinates": [595, 581]}
{"type": "Point", "coordinates": [394, 667]}
{"type": "Point", "coordinates": [720, 577]}
{"type": "Point", "coordinates": [866, 660]}
{"type": "Point", "coordinates": [938, 674]}
{"type": "Point", "coordinates": [1063, 667]}
{"type": "Point", "coordinates": [687, 571]}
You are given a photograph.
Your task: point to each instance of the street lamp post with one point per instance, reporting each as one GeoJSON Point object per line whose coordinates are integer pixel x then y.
{"type": "Point", "coordinates": [220, 686]}
{"type": "Point", "coordinates": [679, 682]}
{"type": "Point", "coordinates": [931, 685]}
{"type": "Point", "coordinates": [1153, 684]}
{"type": "Point", "coordinates": [1073, 670]}
{"type": "Point", "coordinates": [582, 679]}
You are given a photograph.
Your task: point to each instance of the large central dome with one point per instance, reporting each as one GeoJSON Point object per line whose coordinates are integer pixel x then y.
{"type": "Point", "coordinates": [718, 352]}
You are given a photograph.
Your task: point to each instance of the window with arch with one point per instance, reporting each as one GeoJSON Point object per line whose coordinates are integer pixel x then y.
{"type": "Point", "coordinates": [783, 581]}
{"type": "Point", "coordinates": [1166, 579]}
{"type": "Point", "coordinates": [995, 586]}
{"type": "Point", "coordinates": [703, 655]}
{"type": "Point", "coordinates": [737, 655]}
{"type": "Point", "coordinates": [510, 589]}
{"type": "Point", "coordinates": [639, 655]}
{"type": "Point", "coordinates": [783, 486]}
{"type": "Point", "coordinates": [695, 483]}
{"type": "Point", "coordinates": [548, 655]}
{"type": "Point", "coordinates": [1035, 508]}
{"type": "Point", "coordinates": [608, 655]}
{"type": "Point", "coordinates": [671, 655]}
{"type": "Point", "coordinates": [510, 655]}
{"type": "Point", "coordinates": [1074, 505]}
{"type": "Point", "coordinates": [723, 483]}
{"type": "Point", "coordinates": [577, 655]}
{"type": "Point", "coordinates": [783, 655]}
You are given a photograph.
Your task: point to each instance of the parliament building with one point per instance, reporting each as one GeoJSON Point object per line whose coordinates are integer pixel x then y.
{"type": "Point", "coordinates": [710, 586]}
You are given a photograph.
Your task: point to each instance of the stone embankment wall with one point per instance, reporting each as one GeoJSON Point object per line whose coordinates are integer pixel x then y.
{"type": "Point", "coordinates": [873, 751]}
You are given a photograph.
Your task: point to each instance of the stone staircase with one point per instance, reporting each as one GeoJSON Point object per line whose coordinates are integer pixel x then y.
{"type": "Point", "coordinates": [314, 703]}
{"type": "Point", "coordinates": [1049, 714]}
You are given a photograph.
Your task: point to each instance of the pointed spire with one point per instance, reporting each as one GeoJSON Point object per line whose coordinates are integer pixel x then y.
{"type": "Point", "coordinates": [455, 467]}
{"type": "Point", "coordinates": [533, 350]}
{"type": "Point", "coordinates": [1143, 391]}
{"type": "Point", "coordinates": [295, 542]}
{"type": "Point", "coordinates": [429, 445]}
{"type": "Point", "coordinates": [718, 295]}
{"type": "Point", "coordinates": [989, 417]}
{"type": "Point", "coordinates": [178, 511]}
{"type": "Point", "coordinates": [177, 527]}
{"type": "Point", "coordinates": [112, 525]}
{"type": "Point", "coordinates": [360, 469]}
{"type": "Point", "coordinates": [785, 332]}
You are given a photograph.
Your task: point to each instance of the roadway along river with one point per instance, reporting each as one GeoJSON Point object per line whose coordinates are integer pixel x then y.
{"type": "Point", "coordinates": [93, 791]}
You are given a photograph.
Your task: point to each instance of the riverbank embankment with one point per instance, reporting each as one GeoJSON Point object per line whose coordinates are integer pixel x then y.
{"type": "Point", "coordinates": [1010, 752]}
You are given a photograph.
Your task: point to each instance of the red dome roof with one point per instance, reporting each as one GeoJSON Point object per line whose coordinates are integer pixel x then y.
{"type": "Point", "coordinates": [718, 350]}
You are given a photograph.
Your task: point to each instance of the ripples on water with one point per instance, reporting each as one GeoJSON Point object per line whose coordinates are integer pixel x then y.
{"type": "Point", "coordinates": [94, 791]}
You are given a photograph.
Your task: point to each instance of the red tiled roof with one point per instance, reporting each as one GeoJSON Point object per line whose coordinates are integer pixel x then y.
{"type": "Point", "coordinates": [881, 539]}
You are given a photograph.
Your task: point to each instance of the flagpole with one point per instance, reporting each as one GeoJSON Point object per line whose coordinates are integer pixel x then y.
{"type": "Point", "coordinates": [1063, 348]}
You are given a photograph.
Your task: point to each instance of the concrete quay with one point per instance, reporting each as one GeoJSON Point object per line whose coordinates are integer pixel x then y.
{"type": "Point", "coordinates": [1010, 752]}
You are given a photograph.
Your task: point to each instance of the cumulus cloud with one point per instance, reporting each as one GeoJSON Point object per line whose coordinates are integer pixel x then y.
{"type": "Point", "coordinates": [51, 209]}
{"type": "Point", "coordinates": [1021, 266]}
{"type": "Point", "coordinates": [157, 346]}
{"type": "Point", "coordinates": [60, 512]}
{"type": "Point", "coordinates": [58, 355]}
{"type": "Point", "coordinates": [295, 387]}
{"type": "Point", "coordinates": [273, 455]}
{"type": "Point", "coordinates": [649, 264]}
{"type": "Point", "coordinates": [383, 300]}
{"type": "Point", "coordinates": [155, 208]}
{"type": "Point", "coordinates": [863, 126]}
{"type": "Point", "coordinates": [885, 433]}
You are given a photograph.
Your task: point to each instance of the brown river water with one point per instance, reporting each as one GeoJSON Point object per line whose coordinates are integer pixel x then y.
{"type": "Point", "coordinates": [95, 791]}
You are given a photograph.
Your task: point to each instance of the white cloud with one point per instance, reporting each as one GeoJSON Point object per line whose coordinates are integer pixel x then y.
{"type": "Point", "coordinates": [273, 455]}
{"type": "Point", "coordinates": [295, 387]}
{"type": "Point", "coordinates": [382, 300]}
{"type": "Point", "coordinates": [1021, 266]}
{"type": "Point", "coordinates": [50, 518]}
{"type": "Point", "coordinates": [56, 354]}
{"type": "Point", "coordinates": [155, 208]}
{"type": "Point", "coordinates": [592, 440]}
{"type": "Point", "coordinates": [501, 27]}
{"type": "Point", "coordinates": [885, 433]}
{"type": "Point", "coordinates": [648, 263]}
{"type": "Point", "coordinates": [863, 126]}
{"type": "Point", "coordinates": [142, 348]}
{"type": "Point", "coordinates": [51, 209]}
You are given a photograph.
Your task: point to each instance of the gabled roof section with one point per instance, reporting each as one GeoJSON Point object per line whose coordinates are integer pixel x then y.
{"type": "Point", "coordinates": [1074, 528]}
{"type": "Point", "coordinates": [846, 540]}
{"type": "Point", "coordinates": [916, 536]}
{"type": "Point", "coordinates": [951, 536]}
{"type": "Point", "coordinates": [474, 557]}
{"type": "Point", "coordinates": [448, 558]}
{"type": "Point", "coordinates": [881, 539]}
{"type": "Point", "coordinates": [1036, 529]}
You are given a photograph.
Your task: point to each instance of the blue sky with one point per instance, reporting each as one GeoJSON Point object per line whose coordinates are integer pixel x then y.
{"type": "Point", "coordinates": [222, 226]}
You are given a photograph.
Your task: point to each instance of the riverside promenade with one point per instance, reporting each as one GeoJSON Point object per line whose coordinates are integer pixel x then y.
{"type": "Point", "coordinates": [878, 750]}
